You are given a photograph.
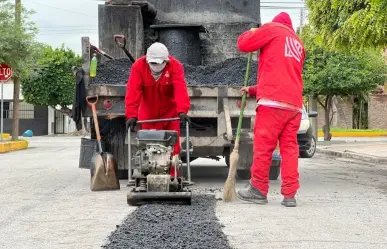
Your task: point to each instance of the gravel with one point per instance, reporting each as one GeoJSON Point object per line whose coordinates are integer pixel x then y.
{"type": "Point", "coordinates": [171, 226]}
{"type": "Point", "coordinates": [228, 72]}
{"type": "Point", "coordinates": [113, 72]}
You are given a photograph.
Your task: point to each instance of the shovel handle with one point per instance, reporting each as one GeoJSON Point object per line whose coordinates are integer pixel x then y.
{"type": "Point", "coordinates": [120, 37]}
{"type": "Point", "coordinates": [101, 52]}
{"type": "Point", "coordinates": [92, 101]}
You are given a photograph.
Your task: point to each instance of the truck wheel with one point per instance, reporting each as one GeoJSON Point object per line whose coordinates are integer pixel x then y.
{"type": "Point", "coordinates": [243, 174]}
{"type": "Point", "coordinates": [227, 159]}
{"type": "Point", "coordinates": [274, 172]}
{"type": "Point", "coordinates": [122, 174]}
{"type": "Point", "coordinates": [184, 159]}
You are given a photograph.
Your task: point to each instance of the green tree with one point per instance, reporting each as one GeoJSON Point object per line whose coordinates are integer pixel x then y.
{"type": "Point", "coordinates": [52, 83]}
{"type": "Point", "coordinates": [16, 45]}
{"type": "Point", "coordinates": [330, 74]}
{"type": "Point", "coordinates": [354, 24]}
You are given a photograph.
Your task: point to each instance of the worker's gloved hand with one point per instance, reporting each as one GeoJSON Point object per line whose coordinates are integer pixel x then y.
{"type": "Point", "coordinates": [132, 122]}
{"type": "Point", "coordinates": [184, 118]}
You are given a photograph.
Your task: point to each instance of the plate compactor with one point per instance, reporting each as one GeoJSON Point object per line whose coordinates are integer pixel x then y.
{"type": "Point", "coordinates": [151, 166]}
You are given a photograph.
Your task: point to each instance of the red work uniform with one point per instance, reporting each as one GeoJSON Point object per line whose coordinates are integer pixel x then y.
{"type": "Point", "coordinates": [147, 98]}
{"type": "Point", "coordinates": [279, 100]}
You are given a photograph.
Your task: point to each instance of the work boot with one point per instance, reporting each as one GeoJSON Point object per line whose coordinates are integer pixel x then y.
{"type": "Point", "coordinates": [251, 194]}
{"type": "Point", "coordinates": [289, 202]}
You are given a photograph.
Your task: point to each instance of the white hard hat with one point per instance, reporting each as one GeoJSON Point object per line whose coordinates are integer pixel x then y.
{"type": "Point", "coordinates": [157, 53]}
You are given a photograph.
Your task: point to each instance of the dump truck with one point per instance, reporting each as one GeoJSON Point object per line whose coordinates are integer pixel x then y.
{"type": "Point", "coordinates": [198, 33]}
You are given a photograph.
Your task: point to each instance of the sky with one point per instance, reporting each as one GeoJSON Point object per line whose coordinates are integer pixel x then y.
{"type": "Point", "coordinates": [65, 22]}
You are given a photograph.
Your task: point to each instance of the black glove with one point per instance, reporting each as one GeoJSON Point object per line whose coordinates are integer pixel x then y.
{"type": "Point", "coordinates": [132, 122]}
{"type": "Point", "coordinates": [184, 118]}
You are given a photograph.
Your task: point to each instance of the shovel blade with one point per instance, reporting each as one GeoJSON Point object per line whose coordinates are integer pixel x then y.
{"type": "Point", "coordinates": [104, 173]}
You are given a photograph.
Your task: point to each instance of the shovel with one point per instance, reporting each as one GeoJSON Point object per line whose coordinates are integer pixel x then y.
{"type": "Point", "coordinates": [123, 46]}
{"type": "Point", "coordinates": [104, 167]}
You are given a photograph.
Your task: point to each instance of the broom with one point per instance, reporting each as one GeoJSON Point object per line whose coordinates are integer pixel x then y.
{"type": "Point", "coordinates": [229, 193]}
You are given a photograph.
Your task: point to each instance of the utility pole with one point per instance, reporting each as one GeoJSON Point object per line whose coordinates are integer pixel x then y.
{"type": "Point", "coordinates": [312, 101]}
{"type": "Point", "coordinates": [16, 80]}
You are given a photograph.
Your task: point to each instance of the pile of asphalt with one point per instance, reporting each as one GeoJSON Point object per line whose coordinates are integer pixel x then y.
{"type": "Point", "coordinates": [113, 72]}
{"type": "Point", "coordinates": [228, 72]}
{"type": "Point", "coordinates": [154, 226]}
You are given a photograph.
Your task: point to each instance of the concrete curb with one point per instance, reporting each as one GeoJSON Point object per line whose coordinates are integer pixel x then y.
{"type": "Point", "coordinates": [5, 136]}
{"type": "Point", "coordinates": [355, 134]}
{"type": "Point", "coordinates": [352, 155]}
{"type": "Point", "coordinates": [13, 146]}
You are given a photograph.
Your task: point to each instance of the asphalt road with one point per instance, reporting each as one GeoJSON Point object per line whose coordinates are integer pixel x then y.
{"type": "Point", "coordinates": [46, 203]}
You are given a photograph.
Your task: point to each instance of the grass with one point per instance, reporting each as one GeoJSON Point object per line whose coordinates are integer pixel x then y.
{"type": "Point", "coordinates": [354, 130]}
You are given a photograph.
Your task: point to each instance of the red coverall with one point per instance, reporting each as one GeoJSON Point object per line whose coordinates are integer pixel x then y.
{"type": "Point", "coordinates": [279, 79]}
{"type": "Point", "coordinates": [147, 98]}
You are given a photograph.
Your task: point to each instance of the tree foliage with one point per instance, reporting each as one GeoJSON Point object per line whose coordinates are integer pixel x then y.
{"type": "Point", "coordinates": [53, 82]}
{"type": "Point", "coordinates": [16, 44]}
{"type": "Point", "coordinates": [329, 73]}
{"type": "Point", "coordinates": [354, 24]}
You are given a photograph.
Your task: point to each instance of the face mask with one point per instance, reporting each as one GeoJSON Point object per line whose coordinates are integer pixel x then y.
{"type": "Point", "coordinates": [157, 68]}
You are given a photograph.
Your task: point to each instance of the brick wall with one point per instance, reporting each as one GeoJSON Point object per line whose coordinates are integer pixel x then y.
{"type": "Point", "coordinates": [343, 114]}
{"type": "Point", "coordinates": [377, 111]}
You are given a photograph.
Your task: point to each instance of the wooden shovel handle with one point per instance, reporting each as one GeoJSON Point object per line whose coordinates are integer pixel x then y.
{"type": "Point", "coordinates": [92, 101]}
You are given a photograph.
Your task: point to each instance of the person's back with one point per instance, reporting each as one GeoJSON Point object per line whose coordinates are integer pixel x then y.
{"type": "Point", "coordinates": [279, 106]}
{"type": "Point", "coordinates": [281, 60]}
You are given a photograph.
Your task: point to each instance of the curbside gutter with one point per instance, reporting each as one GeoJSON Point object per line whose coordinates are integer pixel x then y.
{"type": "Point", "coordinates": [353, 155]}
{"type": "Point", "coordinates": [9, 146]}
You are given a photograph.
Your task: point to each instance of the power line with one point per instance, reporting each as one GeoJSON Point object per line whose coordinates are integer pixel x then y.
{"type": "Point", "coordinates": [70, 11]}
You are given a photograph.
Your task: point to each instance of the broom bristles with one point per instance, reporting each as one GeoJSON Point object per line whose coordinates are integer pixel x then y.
{"type": "Point", "coordinates": [229, 193]}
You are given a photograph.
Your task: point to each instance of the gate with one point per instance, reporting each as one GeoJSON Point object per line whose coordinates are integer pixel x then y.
{"type": "Point", "coordinates": [59, 123]}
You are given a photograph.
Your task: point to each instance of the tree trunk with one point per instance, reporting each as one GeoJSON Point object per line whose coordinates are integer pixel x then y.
{"type": "Point", "coordinates": [15, 109]}
{"type": "Point", "coordinates": [327, 126]}
{"type": "Point", "coordinates": [16, 82]}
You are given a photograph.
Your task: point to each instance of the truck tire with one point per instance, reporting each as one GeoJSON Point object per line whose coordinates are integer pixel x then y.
{"type": "Point", "coordinates": [274, 172]}
{"type": "Point", "coordinates": [184, 159]}
{"type": "Point", "coordinates": [245, 174]}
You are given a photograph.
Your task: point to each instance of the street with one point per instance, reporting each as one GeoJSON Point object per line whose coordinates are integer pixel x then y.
{"type": "Point", "coordinates": [47, 203]}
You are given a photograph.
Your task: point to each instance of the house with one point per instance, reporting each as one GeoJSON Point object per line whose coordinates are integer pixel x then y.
{"type": "Point", "coordinates": [42, 120]}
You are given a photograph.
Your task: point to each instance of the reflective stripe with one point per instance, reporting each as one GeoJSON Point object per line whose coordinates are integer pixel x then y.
{"type": "Point", "coordinates": [278, 104]}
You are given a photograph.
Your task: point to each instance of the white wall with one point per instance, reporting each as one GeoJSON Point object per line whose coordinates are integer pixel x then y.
{"type": "Point", "coordinates": [8, 91]}
{"type": "Point", "coordinates": [51, 119]}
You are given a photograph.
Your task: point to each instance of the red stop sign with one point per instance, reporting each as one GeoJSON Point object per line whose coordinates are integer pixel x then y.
{"type": "Point", "coordinates": [5, 72]}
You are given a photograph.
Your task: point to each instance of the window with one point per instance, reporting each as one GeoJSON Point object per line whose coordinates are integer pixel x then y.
{"type": "Point", "coordinates": [5, 113]}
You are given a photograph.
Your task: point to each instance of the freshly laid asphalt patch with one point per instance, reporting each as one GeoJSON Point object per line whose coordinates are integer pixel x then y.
{"type": "Point", "coordinates": [171, 226]}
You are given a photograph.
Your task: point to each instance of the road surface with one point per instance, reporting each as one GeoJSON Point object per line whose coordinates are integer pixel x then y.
{"type": "Point", "coordinates": [47, 203]}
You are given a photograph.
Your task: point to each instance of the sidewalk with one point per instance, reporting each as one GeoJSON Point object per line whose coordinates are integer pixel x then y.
{"type": "Point", "coordinates": [370, 150]}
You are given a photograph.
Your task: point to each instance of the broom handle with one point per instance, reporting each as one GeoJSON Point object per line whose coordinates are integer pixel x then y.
{"type": "Point", "coordinates": [243, 100]}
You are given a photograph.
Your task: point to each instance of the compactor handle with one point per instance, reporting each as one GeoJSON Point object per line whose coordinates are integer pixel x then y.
{"type": "Point", "coordinates": [157, 120]}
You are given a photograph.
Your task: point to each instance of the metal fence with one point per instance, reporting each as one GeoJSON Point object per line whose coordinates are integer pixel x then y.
{"type": "Point", "coordinates": [59, 127]}
{"type": "Point", "coordinates": [26, 111]}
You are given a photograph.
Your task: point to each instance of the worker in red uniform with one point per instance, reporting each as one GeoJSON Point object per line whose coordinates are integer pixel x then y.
{"type": "Point", "coordinates": [279, 106]}
{"type": "Point", "coordinates": [157, 89]}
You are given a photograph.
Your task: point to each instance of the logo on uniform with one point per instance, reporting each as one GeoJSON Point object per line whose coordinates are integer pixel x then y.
{"type": "Point", "coordinates": [293, 48]}
{"type": "Point", "coordinates": [167, 74]}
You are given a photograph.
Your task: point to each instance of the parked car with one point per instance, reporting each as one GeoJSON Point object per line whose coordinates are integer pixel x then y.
{"type": "Point", "coordinates": [305, 137]}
